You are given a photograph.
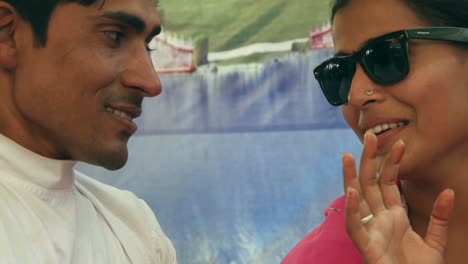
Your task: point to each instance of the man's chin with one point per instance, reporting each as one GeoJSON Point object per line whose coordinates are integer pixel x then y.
{"type": "Point", "coordinates": [114, 165]}
{"type": "Point", "coordinates": [110, 161]}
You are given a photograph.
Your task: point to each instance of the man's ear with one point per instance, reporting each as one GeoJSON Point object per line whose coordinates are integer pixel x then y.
{"type": "Point", "coordinates": [8, 21]}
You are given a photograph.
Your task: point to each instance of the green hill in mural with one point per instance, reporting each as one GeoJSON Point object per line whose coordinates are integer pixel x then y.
{"type": "Point", "coordinates": [233, 23]}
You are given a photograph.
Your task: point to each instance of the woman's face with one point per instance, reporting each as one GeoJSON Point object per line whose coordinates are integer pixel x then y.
{"type": "Point", "coordinates": [431, 102]}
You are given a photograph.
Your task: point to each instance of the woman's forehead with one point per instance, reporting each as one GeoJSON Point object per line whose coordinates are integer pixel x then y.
{"type": "Point", "coordinates": [362, 20]}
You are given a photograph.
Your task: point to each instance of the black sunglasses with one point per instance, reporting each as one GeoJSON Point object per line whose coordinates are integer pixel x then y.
{"type": "Point", "coordinates": [384, 59]}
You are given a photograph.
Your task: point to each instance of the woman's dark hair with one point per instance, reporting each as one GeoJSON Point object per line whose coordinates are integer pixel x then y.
{"type": "Point", "coordinates": [452, 13]}
{"type": "Point", "coordinates": [38, 12]}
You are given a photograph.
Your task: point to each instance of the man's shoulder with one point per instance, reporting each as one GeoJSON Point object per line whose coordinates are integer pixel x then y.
{"type": "Point", "coordinates": [328, 242]}
{"type": "Point", "coordinates": [99, 189]}
{"type": "Point", "coordinates": [114, 202]}
{"type": "Point", "coordinates": [123, 204]}
{"type": "Point", "coordinates": [125, 212]}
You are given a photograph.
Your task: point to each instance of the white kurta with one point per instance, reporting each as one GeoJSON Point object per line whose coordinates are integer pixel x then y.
{"type": "Point", "coordinates": [50, 214]}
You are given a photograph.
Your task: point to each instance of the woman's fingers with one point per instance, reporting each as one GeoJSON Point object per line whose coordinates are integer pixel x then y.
{"type": "Point", "coordinates": [389, 174]}
{"type": "Point", "coordinates": [367, 174]}
{"type": "Point", "coordinates": [350, 179]}
{"type": "Point", "coordinates": [437, 231]}
{"type": "Point", "coordinates": [354, 227]}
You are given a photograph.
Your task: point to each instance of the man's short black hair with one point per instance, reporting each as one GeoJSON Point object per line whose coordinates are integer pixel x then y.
{"type": "Point", "coordinates": [38, 12]}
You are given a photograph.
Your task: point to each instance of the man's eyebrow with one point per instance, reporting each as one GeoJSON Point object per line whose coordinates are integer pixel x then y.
{"type": "Point", "coordinates": [132, 21]}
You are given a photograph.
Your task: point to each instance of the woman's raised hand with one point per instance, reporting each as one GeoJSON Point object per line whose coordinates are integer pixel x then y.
{"type": "Point", "coordinates": [387, 237]}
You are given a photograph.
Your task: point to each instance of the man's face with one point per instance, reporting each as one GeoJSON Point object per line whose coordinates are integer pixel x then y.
{"type": "Point", "coordinates": [77, 96]}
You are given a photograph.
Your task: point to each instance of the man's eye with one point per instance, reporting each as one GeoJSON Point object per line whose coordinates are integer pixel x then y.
{"type": "Point", "coordinates": [149, 48]}
{"type": "Point", "coordinates": [116, 36]}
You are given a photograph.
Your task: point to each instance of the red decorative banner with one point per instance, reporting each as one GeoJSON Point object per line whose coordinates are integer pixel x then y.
{"type": "Point", "coordinates": [172, 54]}
{"type": "Point", "coordinates": [322, 38]}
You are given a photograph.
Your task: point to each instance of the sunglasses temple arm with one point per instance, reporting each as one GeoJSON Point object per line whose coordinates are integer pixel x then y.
{"type": "Point", "coordinates": [440, 33]}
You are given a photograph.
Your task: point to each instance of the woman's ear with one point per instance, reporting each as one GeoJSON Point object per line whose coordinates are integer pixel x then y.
{"type": "Point", "coordinates": [8, 20]}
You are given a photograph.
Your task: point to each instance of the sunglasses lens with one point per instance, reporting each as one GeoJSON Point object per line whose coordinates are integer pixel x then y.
{"type": "Point", "coordinates": [334, 76]}
{"type": "Point", "coordinates": [386, 61]}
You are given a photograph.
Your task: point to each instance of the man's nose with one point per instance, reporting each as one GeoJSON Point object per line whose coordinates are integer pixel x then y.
{"type": "Point", "coordinates": [140, 74]}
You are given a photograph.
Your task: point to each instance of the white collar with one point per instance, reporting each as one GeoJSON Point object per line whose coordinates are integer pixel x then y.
{"type": "Point", "coordinates": [19, 162]}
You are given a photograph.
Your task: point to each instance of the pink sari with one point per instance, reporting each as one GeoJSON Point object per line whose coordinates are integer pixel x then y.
{"type": "Point", "coordinates": [328, 243]}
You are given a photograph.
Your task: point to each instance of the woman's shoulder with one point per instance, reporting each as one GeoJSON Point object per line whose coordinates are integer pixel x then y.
{"type": "Point", "coordinates": [328, 242]}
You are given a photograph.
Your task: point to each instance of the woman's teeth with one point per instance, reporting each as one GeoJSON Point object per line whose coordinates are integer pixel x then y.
{"type": "Point", "coordinates": [384, 127]}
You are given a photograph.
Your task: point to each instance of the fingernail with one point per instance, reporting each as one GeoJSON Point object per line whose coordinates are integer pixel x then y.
{"type": "Point", "coordinates": [348, 192]}
{"type": "Point", "coordinates": [345, 156]}
{"type": "Point", "coordinates": [366, 136]}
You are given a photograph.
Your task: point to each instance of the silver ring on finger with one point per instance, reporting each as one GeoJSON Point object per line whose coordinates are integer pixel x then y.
{"type": "Point", "coordinates": [367, 219]}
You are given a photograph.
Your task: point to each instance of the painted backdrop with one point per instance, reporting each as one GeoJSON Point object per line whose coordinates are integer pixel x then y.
{"type": "Point", "coordinates": [239, 155]}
